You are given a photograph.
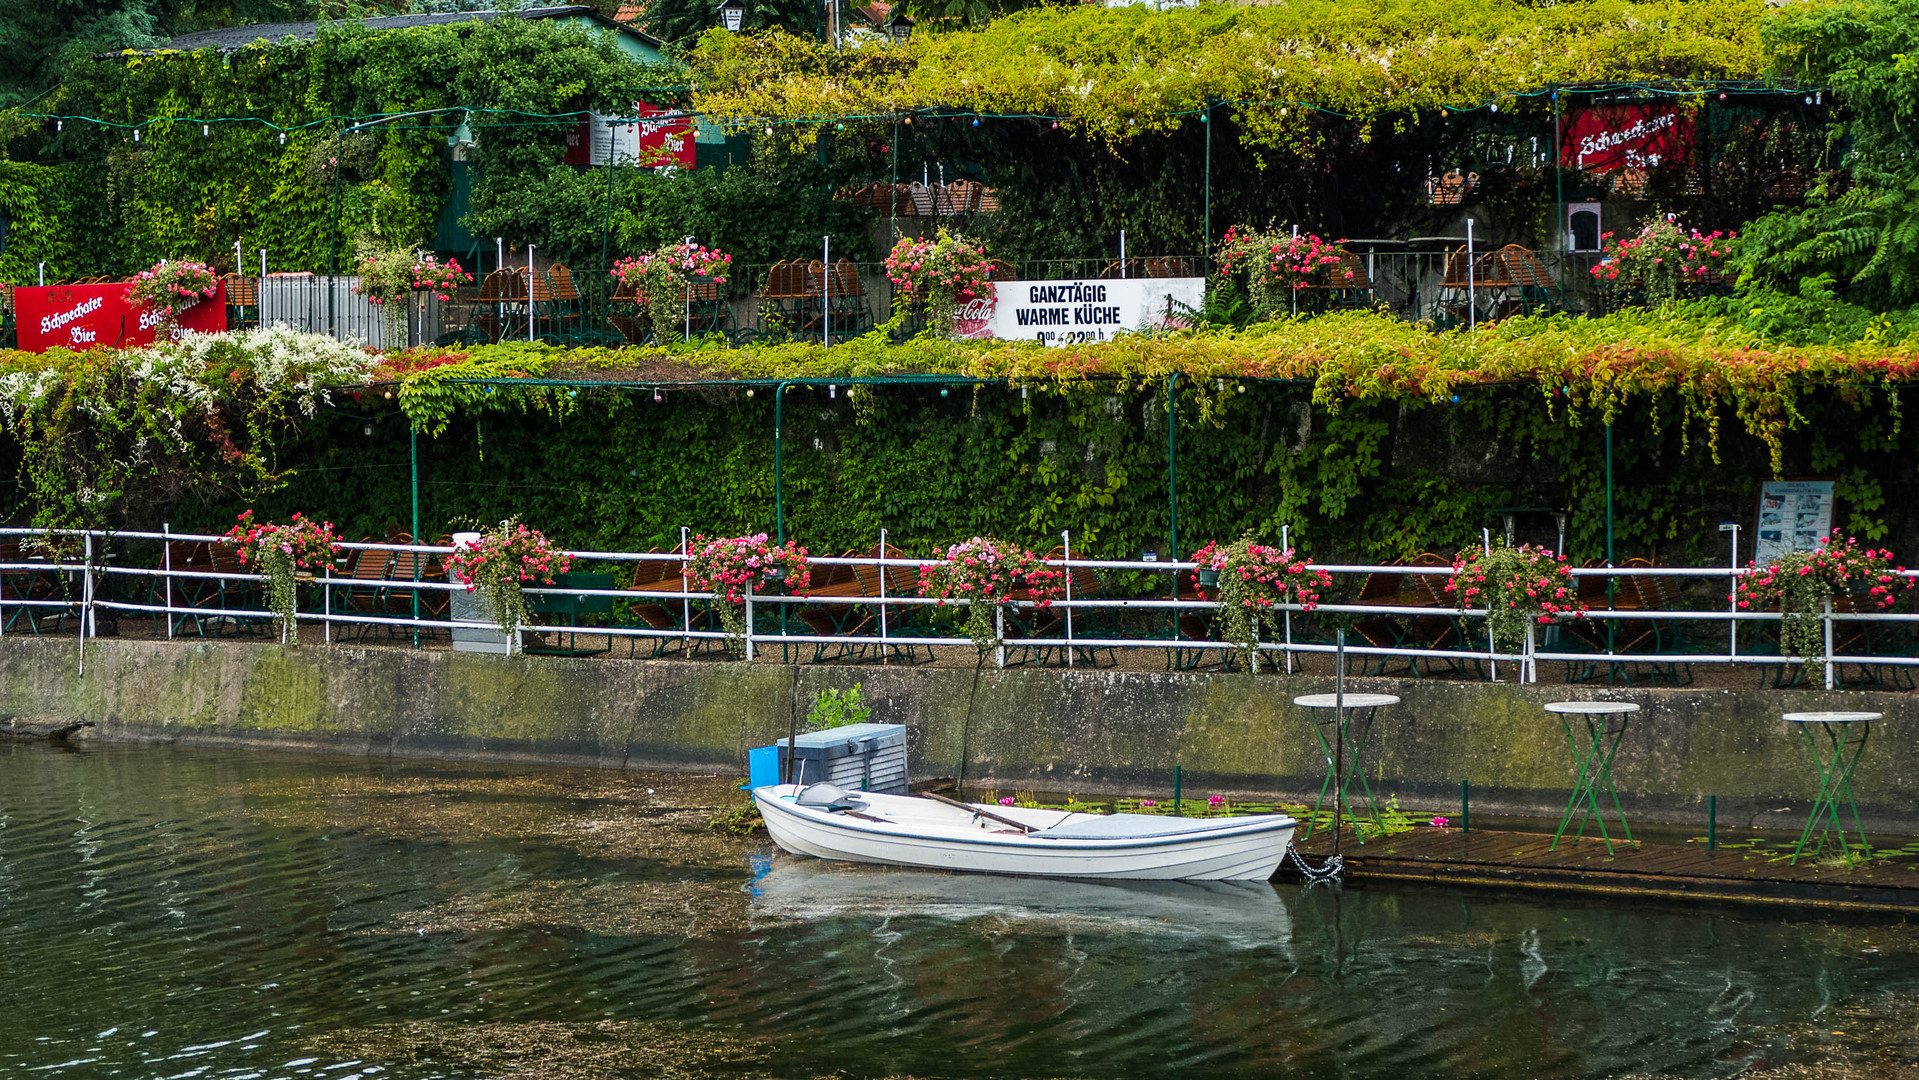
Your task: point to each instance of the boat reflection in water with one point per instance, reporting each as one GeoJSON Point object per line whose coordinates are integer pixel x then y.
{"type": "Point", "coordinates": [803, 890]}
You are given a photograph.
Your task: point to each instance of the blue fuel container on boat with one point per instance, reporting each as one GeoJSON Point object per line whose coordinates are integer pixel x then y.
{"type": "Point", "coordinates": [858, 757]}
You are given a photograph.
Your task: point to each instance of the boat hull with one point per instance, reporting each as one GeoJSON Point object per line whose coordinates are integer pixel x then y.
{"type": "Point", "coordinates": [913, 832]}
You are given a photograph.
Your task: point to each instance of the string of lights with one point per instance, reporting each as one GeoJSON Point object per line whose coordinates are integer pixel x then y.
{"type": "Point", "coordinates": [1724, 90]}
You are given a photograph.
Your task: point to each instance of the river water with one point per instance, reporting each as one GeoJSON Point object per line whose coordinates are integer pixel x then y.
{"type": "Point", "coordinates": [195, 913]}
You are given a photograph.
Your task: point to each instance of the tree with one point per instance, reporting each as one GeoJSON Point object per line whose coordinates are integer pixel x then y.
{"type": "Point", "coordinates": [1862, 225]}
{"type": "Point", "coordinates": [679, 22]}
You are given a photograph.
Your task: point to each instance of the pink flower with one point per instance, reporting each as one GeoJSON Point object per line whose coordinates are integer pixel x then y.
{"type": "Point", "coordinates": [1007, 801]}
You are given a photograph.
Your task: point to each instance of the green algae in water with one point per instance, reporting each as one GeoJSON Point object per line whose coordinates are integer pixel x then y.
{"type": "Point", "coordinates": [538, 1050]}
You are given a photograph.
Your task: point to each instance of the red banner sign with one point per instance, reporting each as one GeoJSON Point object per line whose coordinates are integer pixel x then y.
{"type": "Point", "coordinates": [1608, 138]}
{"type": "Point", "coordinates": [648, 142]}
{"type": "Point", "coordinates": [83, 316]}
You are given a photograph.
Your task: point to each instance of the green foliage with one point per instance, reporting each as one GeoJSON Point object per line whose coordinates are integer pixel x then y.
{"type": "Point", "coordinates": [108, 436]}
{"type": "Point", "coordinates": [185, 190]}
{"type": "Point", "coordinates": [1862, 229]}
{"type": "Point", "coordinates": [838, 708]}
{"type": "Point", "coordinates": [678, 22]}
{"type": "Point", "coordinates": [1116, 72]}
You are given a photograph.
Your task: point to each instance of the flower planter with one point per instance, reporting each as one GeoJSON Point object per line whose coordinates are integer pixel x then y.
{"type": "Point", "coordinates": [773, 575]}
{"type": "Point", "coordinates": [1209, 579]}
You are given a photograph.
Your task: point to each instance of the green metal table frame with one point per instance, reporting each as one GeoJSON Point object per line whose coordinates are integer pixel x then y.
{"type": "Point", "coordinates": [1835, 777]}
{"type": "Point", "coordinates": [1593, 765]}
{"type": "Point", "coordinates": [1349, 732]}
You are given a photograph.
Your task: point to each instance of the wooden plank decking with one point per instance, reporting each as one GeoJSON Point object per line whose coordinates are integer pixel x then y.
{"type": "Point", "coordinates": [1751, 871]}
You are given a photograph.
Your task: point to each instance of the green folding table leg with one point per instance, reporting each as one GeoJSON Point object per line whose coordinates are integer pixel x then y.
{"type": "Point", "coordinates": [1835, 778]}
{"type": "Point", "coordinates": [1594, 771]}
{"type": "Point", "coordinates": [1355, 770]}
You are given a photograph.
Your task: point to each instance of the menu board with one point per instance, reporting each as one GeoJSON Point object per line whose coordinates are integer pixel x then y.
{"type": "Point", "coordinates": [1793, 515]}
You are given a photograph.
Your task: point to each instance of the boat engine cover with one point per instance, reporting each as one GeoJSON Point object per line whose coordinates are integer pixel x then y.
{"type": "Point", "coordinates": [829, 797]}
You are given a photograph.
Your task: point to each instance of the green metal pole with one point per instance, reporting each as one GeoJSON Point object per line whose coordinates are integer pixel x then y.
{"type": "Point", "coordinates": [413, 446]}
{"type": "Point", "coordinates": [779, 476]}
{"type": "Point", "coordinates": [1172, 468]}
{"type": "Point", "coordinates": [1206, 119]}
{"type": "Point", "coordinates": [1176, 812]}
{"type": "Point", "coordinates": [1611, 582]}
{"type": "Point", "coordinates": [1465, 806]}
{"type": "Point", "coordinates": [893, 194]}
{"type": "Point", "coordinates": [413, 439]}
{"type": "Point", "coordinates": [1712, 822]}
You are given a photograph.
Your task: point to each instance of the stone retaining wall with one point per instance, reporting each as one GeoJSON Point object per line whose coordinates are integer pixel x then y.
{"type": "Point", "coordinates": [1054, 730]}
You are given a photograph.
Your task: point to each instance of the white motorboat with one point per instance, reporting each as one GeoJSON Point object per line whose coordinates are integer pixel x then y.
{"type": "Point", "coordinates": [899, 830]}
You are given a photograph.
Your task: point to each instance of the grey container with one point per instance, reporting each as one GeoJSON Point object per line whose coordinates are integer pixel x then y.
{"type": "Point", "coordinates": [862, 757]}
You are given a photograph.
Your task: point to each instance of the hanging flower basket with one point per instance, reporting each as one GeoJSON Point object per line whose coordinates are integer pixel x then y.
{"type": "Point", "coordinates": [500, 564]}
{"type": "Point", "coordinates": [659, 280]}
{"type": "Point", "coordinates": [169, 287]}
{"type": "Point", "coordinates": [1518, 586]}
{"type": "Point", "coordinates": [733, 568]}
{"type": "Point", "coordinates": [987, 574]}
{"type": "Point", "coordinates": [1250, 582]}
{"type": "Point", "coordinates": [285, 554]}
{"type": "Point", "coordinates": [1799, 583]}
{"type": "Point", "coordinates": [943, 276]}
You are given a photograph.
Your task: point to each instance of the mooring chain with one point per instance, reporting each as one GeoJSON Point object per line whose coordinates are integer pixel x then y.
{"type": "Point", "coordinates": [1330, 870]}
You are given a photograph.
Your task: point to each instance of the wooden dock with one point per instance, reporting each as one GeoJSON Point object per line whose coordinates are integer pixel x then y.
{"type": "Point", "coordinates": [1752, 870]}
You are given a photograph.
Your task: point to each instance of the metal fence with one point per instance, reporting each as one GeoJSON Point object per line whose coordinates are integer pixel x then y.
{"type": "Point", "coordinates": [320, 304]}
{"type": "Point", "coordinates": [867, 607]}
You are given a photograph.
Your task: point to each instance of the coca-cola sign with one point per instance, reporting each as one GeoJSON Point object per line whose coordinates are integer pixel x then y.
{"type": "Point", "coordinates": [1076, 312]}
{"type": "Point", "coordinates": [85, 316]}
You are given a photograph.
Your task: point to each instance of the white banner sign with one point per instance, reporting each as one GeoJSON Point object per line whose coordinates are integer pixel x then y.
{"type": "Point", "coordinates": [1793, 515]}
{"type": "Point", "coordinates": [1074, 312]}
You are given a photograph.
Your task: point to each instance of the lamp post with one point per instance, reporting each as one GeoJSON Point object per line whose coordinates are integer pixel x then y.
{"type": "Point", "coordinates": [900, 26]}
{"type": "Point", "coordinates": [732, 15]}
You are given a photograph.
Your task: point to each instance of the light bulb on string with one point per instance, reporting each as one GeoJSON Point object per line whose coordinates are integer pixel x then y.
{"type": "Point", "coordinates": [59, 125]}
{"type": "Point", "coordinates": [283, 138]}
{"type": "Point", "coordinates": [206, 130]}
{"type": "Point", "coordinates": [136, 134]}
{"type": "Point", "coordinates": [658, 396]}
{"type": "Point", "coordinates": [832, 390]}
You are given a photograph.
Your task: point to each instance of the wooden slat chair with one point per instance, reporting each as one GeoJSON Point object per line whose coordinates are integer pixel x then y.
{"type": "Point", "coordinates": [1537, 291]}
{"type": "Point", "coordinates": [563, 304]}
{"type": "Point", "coordinates": [499, 290]}
{"type": "Point", "coordinates": [191, 556]}
{"type": "Point", "coordinates": [237, 593]}
{"type": "Point", "coordinates": [660, 583]}
{"type": "Point", "coordinates": [1088, 623]}
{"type": "Point", "coordinates": [28, 584]}
{"type": "Point", "coordinates": [1448, 631]}
{"type": "Point", "coordinates": [852, 316]}
{"type": "Point", "coordinates": [1172, 266]}
{"type": "Point", "coordinates": [1487, 287]}
{"type": "Point", "coordinates": [910, 621]}
{"type": "Point", "coordinates": [781, 304]}
{"type": "Point", "coordinates": [1385, 631]}
{"type": "Point", "coordinates": [840, 620]}
{"type": "Point", "coordinates": [368, 567]}
{"type": "Point", "coordinates": [398, 601]}
{"type": "Point", "coordinates": [243, 301]}
{"type": "Point", "coordinates": [626, 315]}
{"type": "Point", "coordinates": [1615, 635]}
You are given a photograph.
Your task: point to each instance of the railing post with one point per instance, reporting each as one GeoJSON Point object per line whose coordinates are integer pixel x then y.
{"type": "Point", "coordinates": [1286, 544]}
{"type": "Point", "coordinates": [166, 584]}
{"type": "Point", "coordinates": [1826, 618]}
{"type": "Point", "coordinates": [1529, 668]}
{"type": "Point", "coordinates": [999, 633]}
{"type": "Point", "coordinates": [886, 654]}
{"type": "Point", "coordinates": [1066, 553]}
{"type": "Point", "coordinates": [749, 621]}
{"type": "Point", "coordinates": [686, 602]}
{"type": "Point", "coordinates": [86, 598]}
